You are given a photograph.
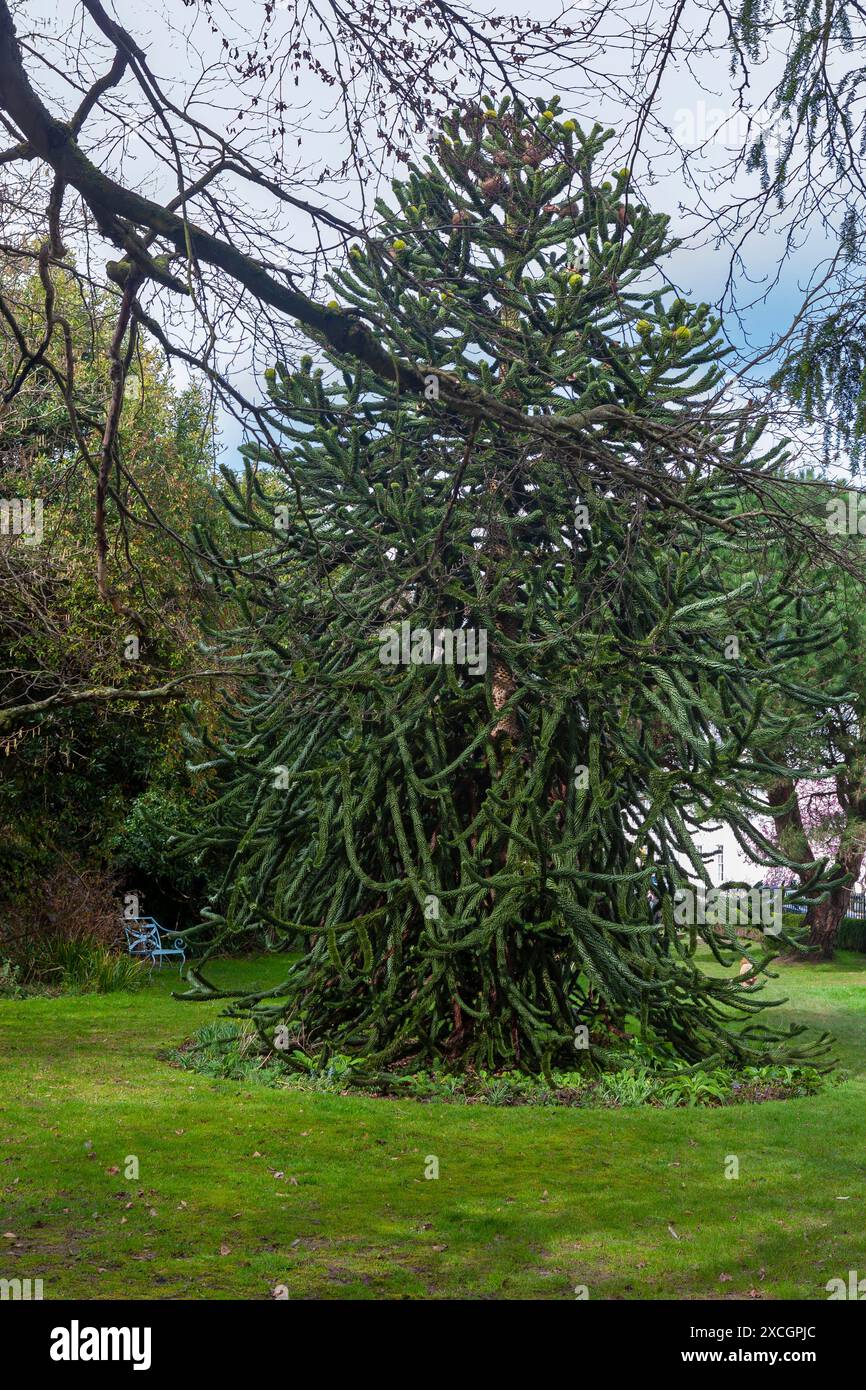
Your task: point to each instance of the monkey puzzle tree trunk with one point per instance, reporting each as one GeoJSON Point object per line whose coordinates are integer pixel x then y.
{"type": "Point", "coordinates": [466, 846]}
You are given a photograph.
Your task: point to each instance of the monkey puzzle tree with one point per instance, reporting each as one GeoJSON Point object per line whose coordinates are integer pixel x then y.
{"type": "Point", "coordinates": [495, 692]}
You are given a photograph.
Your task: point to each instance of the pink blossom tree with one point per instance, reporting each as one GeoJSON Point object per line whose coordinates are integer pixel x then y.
{"type": "Point", "coordinates": [817, 821]}
{"type": "Point", "coordinates": [823, 821]}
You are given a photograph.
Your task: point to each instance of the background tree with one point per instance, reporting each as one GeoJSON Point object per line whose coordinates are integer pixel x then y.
{"type": "Point", "coordinates": [821, 823]}
{"type": "Point", "coordinates": [72, 668]}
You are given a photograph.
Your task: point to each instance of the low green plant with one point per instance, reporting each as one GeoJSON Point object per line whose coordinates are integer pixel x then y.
{"type": "Point", "coordinates": [697, 1088]}
{"type": "Point", "coordinates": [86, 967]}
{"type": "Point", "coordinates": [234, 1051]}
{"type": "Point", "coordinates": [631, 1086]}
{"type": "Point", "coordinates": [10, 981]}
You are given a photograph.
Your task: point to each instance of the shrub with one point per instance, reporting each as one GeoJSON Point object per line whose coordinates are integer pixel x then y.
{"type": "Point", "coordinates": [10, 983]}
{"type": "Point", "coordinates": [852, 934]}
{"type": "Point", "coordinates": [67, 934]}
{"type": "Point", "coordinates": [147, 842]}
{"type": "Point", "coordinates": [85, 967]}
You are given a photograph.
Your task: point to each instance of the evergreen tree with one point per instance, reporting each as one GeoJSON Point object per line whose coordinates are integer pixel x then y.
{"type": "Point", "coordinates": [495, 696]}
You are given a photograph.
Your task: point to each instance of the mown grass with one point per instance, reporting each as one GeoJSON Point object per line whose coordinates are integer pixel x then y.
{"type": "Point", "coordinates": [242, 1188]}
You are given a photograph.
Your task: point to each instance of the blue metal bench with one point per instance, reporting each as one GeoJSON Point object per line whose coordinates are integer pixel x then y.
{"type": "Point", "coordinates": [144, 938]}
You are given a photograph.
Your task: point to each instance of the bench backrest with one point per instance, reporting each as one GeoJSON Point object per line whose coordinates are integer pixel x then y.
{"type": "Point", "coordinates": [141, 933]}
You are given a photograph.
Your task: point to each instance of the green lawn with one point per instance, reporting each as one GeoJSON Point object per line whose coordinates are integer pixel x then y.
{"type": "Point", "coordinates": [242, 1188]}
